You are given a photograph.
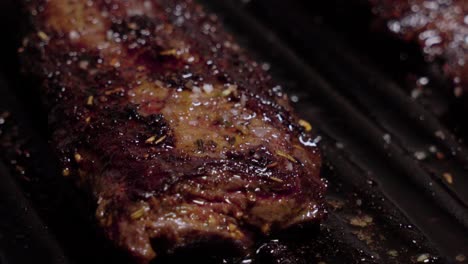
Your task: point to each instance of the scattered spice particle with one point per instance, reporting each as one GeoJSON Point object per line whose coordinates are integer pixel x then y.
{"type": "Point", "coordinates": [361, 221]}
{"type": "Point", "coordinates": [286, 155]}
{"type": "Point", "coordinates": [43, 36]}
{"type": "Point", "coordinates": [392, 253]}
{"type": "Point", "coordinates": [115, 62]}
{"type": "Point", "coordinates": [306, 125]}
{"type": "Point", "coordinates": [88, 119]}
{"type": "Point", "coordinates": [448, 177]}
{"type": "Point", "coordinates": [363, 236]}
{"type": "Point", "coordinates": [138, 213]}
{"type": "Point", "coordinates": [168, 52]}
{"type": "Point", "coordinates": [232, 227]}
{"type": "Point", "coordinates": [266, 228]}
{"type": "Point", "coordinates": [66, 172]}
{"type": "Point", "coordinates": [133, 26]}
{"type": "Point", "coordinates": [114, 91]}
{"type": "Point", "coordinates": [161, 139]}
{"type": "Point", "coordinates": [335, 204]}
{"type": "Point", "coordinates": [460, 258]}
{"type": "Point", "coordinates": [90, 100]}
{"type": "Point", "coordinates": [423, 258]}
{"type": "Point", "coordinates": [229, 90]}
{"type": "Point", "coordinates": [78, 157]}
{"type": "Point", "coordinates": [298, 147]}
{"type": "Point", "coordinates": [276, 179]}
{"type": "Point", "coordinates": [150, 139]}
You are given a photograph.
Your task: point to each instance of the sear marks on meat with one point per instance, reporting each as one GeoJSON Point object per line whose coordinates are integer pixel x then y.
{"type": "Point", "coordinates": [179, 137]}
{"type": "Point", "coordinates": [440, 27]}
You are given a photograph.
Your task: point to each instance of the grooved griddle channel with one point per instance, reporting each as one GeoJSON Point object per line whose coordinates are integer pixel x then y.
{"type": "Point", "coordinates": [381, 208]}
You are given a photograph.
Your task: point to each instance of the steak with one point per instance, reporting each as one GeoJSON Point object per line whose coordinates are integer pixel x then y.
{"type": "Point", "coordinates": [179, 137]}
{"type": "Point", "coordinates": [439, 27]}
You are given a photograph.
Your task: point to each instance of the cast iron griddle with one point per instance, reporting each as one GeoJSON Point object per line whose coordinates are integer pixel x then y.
{"type": "Point", "coordinates": [396, 164]}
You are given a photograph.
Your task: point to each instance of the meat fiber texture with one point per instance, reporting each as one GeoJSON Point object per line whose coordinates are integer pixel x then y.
{"type": "Point", "coordinates": [440, 27]}
{"type": "Point", "coordinates": [178, 136]}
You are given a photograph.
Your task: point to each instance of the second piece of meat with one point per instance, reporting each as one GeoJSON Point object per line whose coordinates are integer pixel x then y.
{"type": "Point", "coordinates": [439, 27]}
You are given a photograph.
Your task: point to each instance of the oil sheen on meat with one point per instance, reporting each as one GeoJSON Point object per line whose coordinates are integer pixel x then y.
{"type": "Point", "coordinates": [440, 27]}
{"type": "Point", "coordinates": [177, 134]}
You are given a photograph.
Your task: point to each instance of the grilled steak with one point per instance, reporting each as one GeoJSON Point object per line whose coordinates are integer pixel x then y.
{"type": "Point", "coordinates": [180, 138]}
{"type": "Point", "coordinates": [439, 27]}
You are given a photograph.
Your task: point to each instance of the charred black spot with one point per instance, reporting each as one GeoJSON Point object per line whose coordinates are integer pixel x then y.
{"type": "Point", "coordinates": [200, 145]}
{"type": "Point", "coordinates": [132, 112]}
{"type": "Point", "coordinates": [160, 64]}
{"type": "Point", "coordinates": [231, 140]}
{"type": "Point", "coordinates": [223, 78]}
{"type": "Point", "coordinates": [158, 125]}
{"type": "Point", "coordinates": [259, 156]}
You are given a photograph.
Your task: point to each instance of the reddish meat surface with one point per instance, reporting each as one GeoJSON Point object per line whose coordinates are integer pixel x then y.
{"type": "Point", "coordinates": [176, 133]}
{"type": "Point", "coordinates": [440, 27]}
